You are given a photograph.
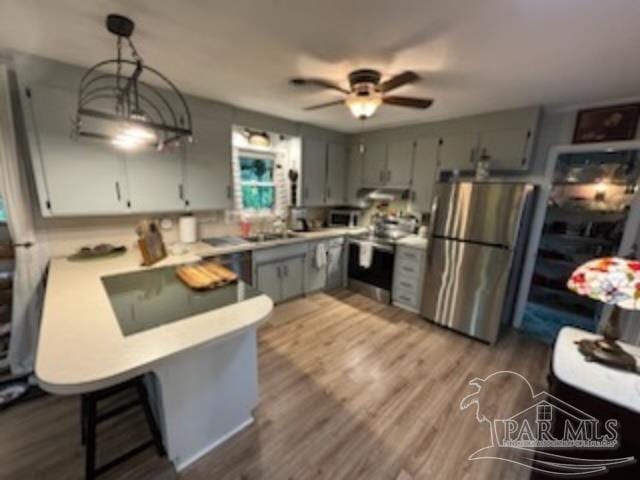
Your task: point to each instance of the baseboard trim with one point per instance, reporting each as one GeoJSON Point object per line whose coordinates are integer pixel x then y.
{"type": "Point", "coordinates": [192, 459]}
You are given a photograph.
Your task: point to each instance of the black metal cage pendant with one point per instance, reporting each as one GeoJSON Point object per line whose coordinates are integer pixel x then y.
{"type": "Point", "coordinates": [128, 103]}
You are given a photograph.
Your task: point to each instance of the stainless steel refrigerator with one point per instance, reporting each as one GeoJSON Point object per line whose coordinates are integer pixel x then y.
{"type": "Point", "coordinates": [473, 257]}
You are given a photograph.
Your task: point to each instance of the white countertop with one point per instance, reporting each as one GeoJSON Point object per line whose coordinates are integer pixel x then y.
{"type": "Point", "coordinates": [615, 386]}
{"type": "Point", "coordinates": [414, 241]}
{"type": "Point", "coordinates": [205, 250]}
{"type": "Point", "coordinates": [81, 347]}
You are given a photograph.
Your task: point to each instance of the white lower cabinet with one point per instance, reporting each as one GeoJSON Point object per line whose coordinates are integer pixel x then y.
{"type": "Point", "coordinates": [268, 280]}
{"type": "Point", "coordinates": [279, 271]}
{"type": "Point", "coordinates": [336, 263]}
{"type": "Point", "coordinates": [315, 277]}
{"type": "Point", "coordinates": [281, 280]}
{"type": "Point", "coordinates": [292, 277]}
{"type": "Point", "coordinates": [408, 278]}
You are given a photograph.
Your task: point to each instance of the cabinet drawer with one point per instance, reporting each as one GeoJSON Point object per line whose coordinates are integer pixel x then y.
{"type": "Point", "coordinates": [408, 268]}
{"type": "Point", "coordinates": [410, 254]}
{"type": "Point", "coordinates": [406, 283]}
{"type": "Point", "coordinates": [406, 297]}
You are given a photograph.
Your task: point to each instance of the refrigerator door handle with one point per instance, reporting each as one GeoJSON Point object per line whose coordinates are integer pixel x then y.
{"type": "Point", "coordinates": [432, 222]}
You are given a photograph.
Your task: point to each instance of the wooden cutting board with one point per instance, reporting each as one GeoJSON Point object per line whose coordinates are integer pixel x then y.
{"type": "Point", "coordinates": [205, 275]}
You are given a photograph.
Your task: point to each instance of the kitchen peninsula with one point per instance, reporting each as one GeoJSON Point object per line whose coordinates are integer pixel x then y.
{"type": "Point", "coordinates": [107, 321]}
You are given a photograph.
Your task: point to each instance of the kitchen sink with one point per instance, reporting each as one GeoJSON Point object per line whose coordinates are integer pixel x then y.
{"type": "Point", "coordinates": [269, 237]}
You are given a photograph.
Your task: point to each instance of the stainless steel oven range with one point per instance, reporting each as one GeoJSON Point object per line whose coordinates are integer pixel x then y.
{"type": "Point", "coordinates": [375, 279]}
{"type": "Point", "coordinates": [372, 255]}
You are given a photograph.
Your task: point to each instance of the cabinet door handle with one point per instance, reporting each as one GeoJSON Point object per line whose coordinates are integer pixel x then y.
{"type": "Point", "coordinates": [472, 154]}
{"type": "Point", "coordinates": [181, 192]}
{"type": "Point", "coordinates": [278, 272]}
{"type": "Point", "coordinates": [286, 270]}
{"type": "Point", "coordinates": [328, 192]}
{"type": "Point", "coordinates": [118, 191]}
{"type": "Point", "coordinates": [229, 192]}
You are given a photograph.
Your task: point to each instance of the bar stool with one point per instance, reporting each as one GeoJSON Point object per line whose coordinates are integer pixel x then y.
{"type": "Point", "coordinates": [91, 418]}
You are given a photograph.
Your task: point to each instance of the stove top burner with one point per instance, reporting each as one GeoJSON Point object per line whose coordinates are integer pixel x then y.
{"type": "Point", "coordinates": [377, 239]}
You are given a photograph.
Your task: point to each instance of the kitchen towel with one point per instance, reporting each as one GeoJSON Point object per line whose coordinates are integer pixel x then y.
{"type": "Point", "coordinates": [321, 256]}
{"type": "Point", "coordinates": [366, 254]}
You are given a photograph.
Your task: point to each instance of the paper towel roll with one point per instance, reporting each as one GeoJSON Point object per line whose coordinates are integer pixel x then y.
{"type": "Point", "coordinates": [188, 229]}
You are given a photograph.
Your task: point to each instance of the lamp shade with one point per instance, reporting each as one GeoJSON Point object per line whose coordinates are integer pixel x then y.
{"type": "Point", "coordinates": [611, 280]}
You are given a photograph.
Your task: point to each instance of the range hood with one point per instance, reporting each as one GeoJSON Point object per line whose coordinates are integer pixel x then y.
{"type": "Point", "coordinates": [383, 193]}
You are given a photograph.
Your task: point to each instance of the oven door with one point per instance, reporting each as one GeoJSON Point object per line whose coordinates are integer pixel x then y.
{"type": "Point", "coordinates": [376, 280]}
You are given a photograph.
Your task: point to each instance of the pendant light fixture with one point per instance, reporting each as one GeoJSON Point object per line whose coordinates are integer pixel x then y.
{"type": "Point", "coordinates": [128, 103]}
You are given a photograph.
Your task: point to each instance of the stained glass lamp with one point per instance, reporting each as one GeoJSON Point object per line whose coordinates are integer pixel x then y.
{"type": "Point", "coordinates": [614, 281]}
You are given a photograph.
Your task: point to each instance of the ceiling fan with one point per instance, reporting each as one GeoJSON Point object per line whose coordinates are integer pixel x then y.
{"type": "Point", "coordinates": [366, 93]}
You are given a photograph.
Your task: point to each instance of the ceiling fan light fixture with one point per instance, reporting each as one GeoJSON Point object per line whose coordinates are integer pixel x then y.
{"type": "Point", "coordinates": [364, 106]}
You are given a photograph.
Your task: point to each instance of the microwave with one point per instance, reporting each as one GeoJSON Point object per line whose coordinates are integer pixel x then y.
{"type": "Point", "coordinates": [344, 218]}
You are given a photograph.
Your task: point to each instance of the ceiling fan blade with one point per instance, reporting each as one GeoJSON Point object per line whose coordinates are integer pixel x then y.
{"type": "Point", "coordinates": [323, 105]}
{"type": "Point", "coordinates": [398, 81]}
{"type": "Point", "coordinates": [318, 82]}
{"type": "Point", "coordinates": [408, 101]}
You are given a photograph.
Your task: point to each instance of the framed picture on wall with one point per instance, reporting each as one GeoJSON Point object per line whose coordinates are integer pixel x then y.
{"type": "Point", "coordinates": [606, 124]}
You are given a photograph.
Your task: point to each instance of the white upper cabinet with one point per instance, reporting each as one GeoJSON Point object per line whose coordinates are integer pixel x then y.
{"type": "Point", "coordinates": [336, 174]}
{"type": "Point", "coordinates": [354, 174]}
{"type": "Point", "coordinates": [375, 164]}
{"type": "Point", "coordinates": [506, 149]}
{"type": "Point", "coordinates": [458, 151]}
{"type": "Point", "coordinates": [424, 173]}
{"type": "Point", "coordinates": [314, 171]}
{"type": "Point", "coordinates": [207, 168]}
{"type": "Point", "coordinates": [155, 181]}
{"type": "Point", "coordinates": [399, 164]}
{"type": "Point", "coordinates": [73, 177]}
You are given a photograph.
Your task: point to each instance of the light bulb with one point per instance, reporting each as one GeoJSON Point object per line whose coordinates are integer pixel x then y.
{"type": "Point", "coordinates": [364, 106]}
{"type": "Point", "coordinates": [132, 136]}
{"type": "Point", "coordinates": [141, 133]}
{"type": "Point", "coordinates": [127, 142]}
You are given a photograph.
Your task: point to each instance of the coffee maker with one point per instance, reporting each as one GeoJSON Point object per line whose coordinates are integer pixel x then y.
{"type": "Point", "coordinates": [298, 220]}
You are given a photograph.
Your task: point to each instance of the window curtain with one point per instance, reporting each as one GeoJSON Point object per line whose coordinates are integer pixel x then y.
{"type": "Point", "coordinates": [30, 262]}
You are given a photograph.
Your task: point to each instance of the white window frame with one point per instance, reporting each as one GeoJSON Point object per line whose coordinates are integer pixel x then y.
{"type": "Point", "coordinates": [260, 155]}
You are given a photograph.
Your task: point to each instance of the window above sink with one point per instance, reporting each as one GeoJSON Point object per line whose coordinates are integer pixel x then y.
{"type": "Point", "coordinates": [257, 181]}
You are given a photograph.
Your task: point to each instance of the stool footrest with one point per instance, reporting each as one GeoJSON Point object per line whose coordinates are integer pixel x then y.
{"type": "Point", "coordinates": [117, 410]}
{"type": "Point", "coordinates": [124, 457]}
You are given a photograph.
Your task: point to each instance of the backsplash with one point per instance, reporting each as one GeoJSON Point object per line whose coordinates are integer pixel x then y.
{"type": "Point", "coordinates": [65, 236]}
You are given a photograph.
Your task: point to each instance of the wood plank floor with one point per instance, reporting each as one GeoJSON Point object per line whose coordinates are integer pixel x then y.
{"type": "Point", "coordinates": [350, 389]}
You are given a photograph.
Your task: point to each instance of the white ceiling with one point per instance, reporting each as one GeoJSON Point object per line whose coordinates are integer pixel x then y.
{"type": "Point", "coordinates": [474, 55]}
